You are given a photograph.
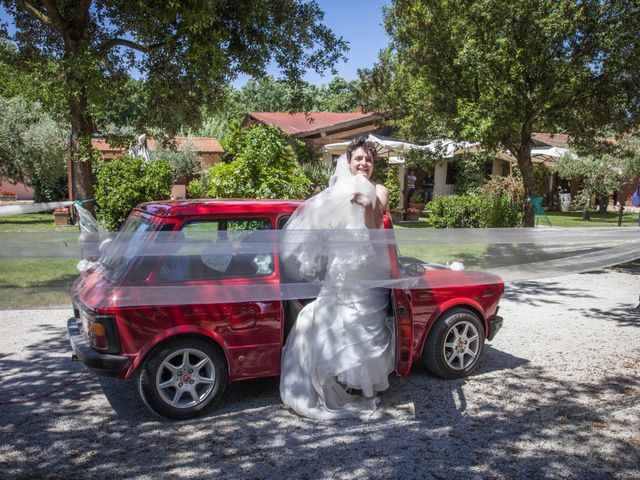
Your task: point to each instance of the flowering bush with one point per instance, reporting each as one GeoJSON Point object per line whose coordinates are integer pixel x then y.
{"type": "Point", "coordinates": [7, 192]}
{"type": "Point", "coordinates": [397, 210]}
{"type": "Point", "coordinates": [64, 210]}
{"type": "Point", "coordinates": [413, 210]}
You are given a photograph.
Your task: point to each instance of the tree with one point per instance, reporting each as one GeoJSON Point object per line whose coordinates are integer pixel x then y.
{"type": "Point", "coordinates": [123, 183]}
{"type": "Point", "coordinates": [601, 173]}
{"type": "Point", "coordinates": [186, 52]}
{"type": "Point", "coordinates": [260, 164]}
{"type": "Point", "coordinates": [32, 148]}
{"type": "Point", "coordinates": [496, 71]}
{"type": "Point", "coordinates": [270, 95]}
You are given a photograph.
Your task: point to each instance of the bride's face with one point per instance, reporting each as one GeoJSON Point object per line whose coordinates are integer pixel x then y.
{"type": "Point", "coordinates": [361, 162]}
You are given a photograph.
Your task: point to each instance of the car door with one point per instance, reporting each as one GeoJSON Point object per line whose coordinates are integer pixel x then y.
{"type": "Point", "coordinates": [213, 269]}
{"type": "Point", "coordinates": [402, 321]}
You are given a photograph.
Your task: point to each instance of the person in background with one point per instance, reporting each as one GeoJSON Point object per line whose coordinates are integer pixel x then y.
{"type": "Point", "coordinates": [411, 184]}
{"type": "Point", "coordinates": [635, 200]}
{"type": "Point", "coordinates": [427, 187]}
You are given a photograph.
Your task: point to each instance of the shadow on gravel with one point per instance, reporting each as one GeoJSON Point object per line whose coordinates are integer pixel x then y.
{"type": "Point", "coordinates": [519, 422]}
{"type": "Point", "coordinates": [537, 292]}
{"type": "Point", "coordinates": [622, 314]}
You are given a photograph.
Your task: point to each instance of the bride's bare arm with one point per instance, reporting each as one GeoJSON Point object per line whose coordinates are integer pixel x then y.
{"type": "Point", "coordinates": [373, 215]}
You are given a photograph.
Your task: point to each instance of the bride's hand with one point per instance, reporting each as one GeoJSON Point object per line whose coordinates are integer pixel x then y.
{"type": "Point", "coordinates": [361, 199]}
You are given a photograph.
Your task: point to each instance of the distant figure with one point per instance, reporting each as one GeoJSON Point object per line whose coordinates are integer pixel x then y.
{"type": "Point", "coordinates": [427, 187]}
{"type": "Point", "coordinates": [635, 201]}
{"type": "Point", "coordinates": [411, 184]}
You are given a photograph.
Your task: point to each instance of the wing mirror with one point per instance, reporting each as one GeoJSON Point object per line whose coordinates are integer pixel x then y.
{"type": "Point", "coordinates": [415, 269]}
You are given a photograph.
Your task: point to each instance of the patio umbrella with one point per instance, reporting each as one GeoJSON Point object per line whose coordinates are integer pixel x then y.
{"type": "Point", "coordinates": [547, 155]}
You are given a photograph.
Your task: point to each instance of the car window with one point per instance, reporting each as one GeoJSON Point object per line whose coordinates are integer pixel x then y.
{"type": "Point", "coordinates": [125, 246]}
{"type": "Point", "coordinates": [282, 221]}
{"type": "Point", "coordinates": [218, 249]}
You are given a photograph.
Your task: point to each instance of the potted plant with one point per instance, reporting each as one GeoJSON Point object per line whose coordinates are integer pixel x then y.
{"type": "Point", "coordinates": [413, 214]}
{"type": "Point", "coordinates": [7, 196]}
{"type": "Point", "coordinates": [396, 214]}
{"type": "Point", "coordinates": [416, 202]}
{"type": "Point", "coordinates": [61, 217]}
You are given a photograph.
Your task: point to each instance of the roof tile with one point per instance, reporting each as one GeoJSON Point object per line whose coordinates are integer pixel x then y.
{"type": "Point", "coordinates": [299, 122]}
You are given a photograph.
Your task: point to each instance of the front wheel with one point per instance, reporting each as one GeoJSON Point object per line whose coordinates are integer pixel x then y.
{"type": "Point", "coordinates": [455, 344]}
{"type": "Point", "coordinates": [183, 379]}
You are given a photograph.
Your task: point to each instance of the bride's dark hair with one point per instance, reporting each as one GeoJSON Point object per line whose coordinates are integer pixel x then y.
{"type": "Point", "coordinates": [362, 142]}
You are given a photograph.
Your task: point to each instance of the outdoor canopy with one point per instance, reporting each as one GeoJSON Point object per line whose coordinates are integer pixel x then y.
{"type": "Point", "coordinates": [446, 148]}
{"type": "Point", "coordinates": [393, 148]}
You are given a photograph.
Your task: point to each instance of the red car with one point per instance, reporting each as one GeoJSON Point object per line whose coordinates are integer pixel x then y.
{"type": "Point", "coordinates": [187, 352]}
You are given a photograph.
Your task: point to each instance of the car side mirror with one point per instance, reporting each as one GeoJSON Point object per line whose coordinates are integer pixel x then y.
{"type": "Point", "coordinates": [415, 269]}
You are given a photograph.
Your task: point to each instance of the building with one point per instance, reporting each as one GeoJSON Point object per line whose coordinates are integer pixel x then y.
{"type": "Point", "coordinates": [316, 129]}
{"type": "Point", "coordinates": [208, 149]}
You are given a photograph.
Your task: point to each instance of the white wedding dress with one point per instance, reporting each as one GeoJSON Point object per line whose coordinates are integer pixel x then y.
{"type": "Point", "coordinates": [340, 341]}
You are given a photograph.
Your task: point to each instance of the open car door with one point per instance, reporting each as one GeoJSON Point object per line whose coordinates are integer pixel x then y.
{"type": "Point", "coordinates": [402, 321]}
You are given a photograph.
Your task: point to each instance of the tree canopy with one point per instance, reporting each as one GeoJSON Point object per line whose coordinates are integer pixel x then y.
{"type": "Point", "coordinates": [496, 71]}
{"type": "Point", "coordinates": [186, 52]}
{"type": "Point", "coordinates": [32, 149]}
{"type": "Point", "coordinates": [260, 163]}
{"type": "Point", "coordinates": [271, 95]}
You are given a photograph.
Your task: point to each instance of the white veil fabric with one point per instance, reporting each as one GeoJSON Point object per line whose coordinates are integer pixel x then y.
{"type": "Point", "coordinates": [314, 228]}
{"type": "Point", "coordinates": [340, 341]}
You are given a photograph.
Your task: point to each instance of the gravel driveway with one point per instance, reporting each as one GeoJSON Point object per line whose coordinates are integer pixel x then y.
{"type": "Point", "coordinates": [557, 395]}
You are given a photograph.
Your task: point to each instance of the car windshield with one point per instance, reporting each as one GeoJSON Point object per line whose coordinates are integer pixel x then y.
{"type": "Point", "coordinates": [126, 244]}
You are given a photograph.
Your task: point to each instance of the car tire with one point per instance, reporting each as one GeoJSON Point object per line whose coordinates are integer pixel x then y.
{"type": "Point", "coordinates": [183, 378]}
{"type": "Point", "coordinates": [455, 344]}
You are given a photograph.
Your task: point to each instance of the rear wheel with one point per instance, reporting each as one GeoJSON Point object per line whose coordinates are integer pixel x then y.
{"type": "Point", "coordinates": [184, 378]}
{"type": "Point", "coordinates": [455, 343]}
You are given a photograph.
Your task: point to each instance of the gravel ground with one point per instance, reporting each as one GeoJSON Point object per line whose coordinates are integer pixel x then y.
{"type": "Point", "coordinates": [557, 395]}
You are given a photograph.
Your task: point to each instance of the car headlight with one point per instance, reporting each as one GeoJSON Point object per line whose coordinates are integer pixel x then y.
{"type": "Point", "coordinates": [98, 329]}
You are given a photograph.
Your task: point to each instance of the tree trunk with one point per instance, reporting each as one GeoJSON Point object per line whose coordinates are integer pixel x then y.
{"type": "Point", "coordinates": [523, 155]}
{"type": "Point", "coordinates": [82, 125]}
{"type": "Point", "coordinates": [81, 130]}
{"type": "Point", "coordinates": [585, 212]}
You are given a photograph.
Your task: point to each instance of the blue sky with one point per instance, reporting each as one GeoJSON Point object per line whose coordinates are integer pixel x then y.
{"type": "Point", "coordinates": [359, 22]}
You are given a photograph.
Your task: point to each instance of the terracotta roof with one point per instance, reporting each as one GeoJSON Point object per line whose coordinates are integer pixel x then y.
{"type": "Point", "coordinates": [552, 139]}
{"type": "Point", "coordinates": [197, 144]}
{"type": "Point", "coordinates": [300, 122]}
{"type": "Point", "coordinates": [561, 139]}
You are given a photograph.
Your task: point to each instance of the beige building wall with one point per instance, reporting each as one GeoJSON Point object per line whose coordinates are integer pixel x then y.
{"type": "Point", "coordinates": [440, 186]}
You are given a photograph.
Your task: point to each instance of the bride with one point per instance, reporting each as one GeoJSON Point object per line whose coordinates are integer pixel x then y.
{"type": "Point", "coordinates": [337, 356]}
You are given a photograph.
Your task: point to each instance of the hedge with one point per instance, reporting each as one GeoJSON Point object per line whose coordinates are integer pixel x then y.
{"type": "Point", "coordinates": [474, 211]}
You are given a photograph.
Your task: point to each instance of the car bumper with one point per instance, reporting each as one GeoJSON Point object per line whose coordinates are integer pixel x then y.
{"type": "Point", "coordinates": [105, 364]}
{"type": "Point", "coordinates": [495, 324]}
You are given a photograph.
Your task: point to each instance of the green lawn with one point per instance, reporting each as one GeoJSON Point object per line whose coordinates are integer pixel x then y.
{"type": "Point", "coordinates": [608, 219]}
{"type": "Point", "coordinates": [32, 222]}
{"type": "Point", "coordinates": [40, 282]}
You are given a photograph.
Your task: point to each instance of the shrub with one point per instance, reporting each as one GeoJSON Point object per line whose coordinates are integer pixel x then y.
{"type": "Point", "coordinates": [392, 183]}
{"type": "Point", "coordinates": [261, 164]}
{"type": "Point", "coordinates": [123, 183]}
{"type": "Point", "coordinates": [456, 211]}
{"type": "Point", "coordinates": [197, 188]}
{"type": "Point", "coordinates": [500, 206]}
{"type": "Point", "coordinates": [184, 164]}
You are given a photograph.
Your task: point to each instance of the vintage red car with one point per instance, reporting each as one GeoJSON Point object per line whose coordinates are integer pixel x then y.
{"type": "Point", "coordinates": [186, 352]}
